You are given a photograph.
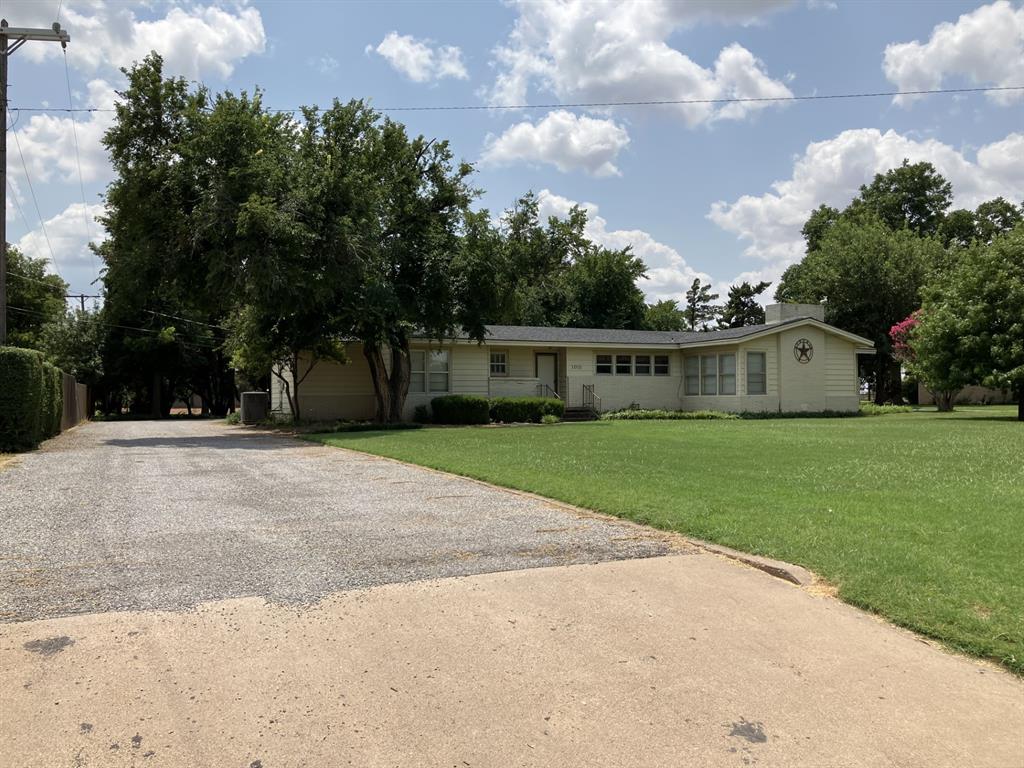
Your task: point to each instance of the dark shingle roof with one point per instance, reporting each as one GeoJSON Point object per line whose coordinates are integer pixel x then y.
{"type": "Point", "coordinates": [553, 336]}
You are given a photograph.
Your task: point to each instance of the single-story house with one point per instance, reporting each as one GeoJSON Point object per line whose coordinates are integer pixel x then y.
{"type": "Point", "coordinates": [795, 361]}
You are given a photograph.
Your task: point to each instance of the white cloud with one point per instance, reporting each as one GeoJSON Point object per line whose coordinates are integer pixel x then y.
{"type": "Point", "coordinates": [47, 141]}
{"type": "Point", "coordinates": [420, 60]}
{"type": "Point", "coordinates": [668, 274]}
{"type": "Point", "coordinates": [195, 40]}
{"type": "Point", "coordinates": [69, 233]}
{"type": "Point", "coordinates": [563, 140]}
{"type": "Point", "coordinates": [832, 171]}
{"type": "Point", "coordinates": [599, 52]}
{"type": "Point", "coordinates": [986, 46]}
{"type": "Point", "coordinates": [325, 65]}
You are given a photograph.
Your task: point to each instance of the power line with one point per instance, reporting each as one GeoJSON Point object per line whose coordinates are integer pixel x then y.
{"type": "Point", "coordinates": [78, 160]}
{"type": "Point", "coordinates": [179, 317]}
{"type": "Point", "coordinates": [601, 104]}
{"type": "Point", "coordinates": [177, 337]}
{"type": "Point", "coordinates": [31, 189]}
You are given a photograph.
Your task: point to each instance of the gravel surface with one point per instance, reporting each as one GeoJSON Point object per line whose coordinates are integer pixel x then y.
{"type": "Point", "coordinates": [165, 515]}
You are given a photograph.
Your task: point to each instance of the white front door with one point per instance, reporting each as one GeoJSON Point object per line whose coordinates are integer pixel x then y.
{"type": "Point", "coordinates": [547, 369]}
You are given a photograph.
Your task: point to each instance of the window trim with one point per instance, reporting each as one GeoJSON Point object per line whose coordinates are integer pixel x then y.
{"type": "Point", "coordinates": [704, 375]}
{"type": "Point", "coordinates": [490, 364]}
{"type": "Point", "coordinates": [721, 374]}
{"type": "Point", "coordinates": [617, 364]}
{"type": "Point", "coordinates": [687, 377]}
{"type": "Point", "coordinates": [637, 364]}
{"type": "Point", "coordinates": [447, 372]}
{"type": "Point", "coordinates": [610, 364]}
{"type": "Point", "coordinates": [668, 365]}
{"type": "Point", "coordinates": [422, 353]}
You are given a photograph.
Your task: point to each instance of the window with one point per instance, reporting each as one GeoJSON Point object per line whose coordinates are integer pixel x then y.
{"type": "Point", "coordinates": [757, 376]}
{"type": "Point", "coordinates": [438, 381]}
{"type": "Point", "coordinates": [417, 370]}
{"type": "Point", "coordinates": [709, 374]}
{"type": "Point", "coordinates": [604, 365]}
{"type": "Point", "coordinates": [691, 375]}
{"type": "Point", "coordinates": [661, 365]}
{"type": "Point", "coordinates": [499, 363]}
{"type": "Point", "coordinates": [623, 365]}
{"type": "Point", "coordinates": [642, 365]}
{"type": "Point", "coordinates": [727, 374]}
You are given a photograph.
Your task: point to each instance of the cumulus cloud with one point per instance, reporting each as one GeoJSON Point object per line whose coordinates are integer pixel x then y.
{"type": "Point", "coordinates": [420, 60]}
{"type": "Point", "coordinates": [599, 52]}
{"type": "Point", "coordinates": [69, 233]}
{"type": "Point", "coordinates": [832, 171]}
{"type": "Point", "coordinates": [47, 141]}
{"type": "Point", "coordinates": [985, 46]}
{"type": "Point", "coordinates": [668, 274]}
{"type": "Point", "coordinates": [563, 140]}
{"type": "Point", "coordinates": [195, 40]}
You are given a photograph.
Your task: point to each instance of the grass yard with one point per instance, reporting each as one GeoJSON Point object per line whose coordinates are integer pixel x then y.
{"type": "Point", "coordinates": [919, 517]}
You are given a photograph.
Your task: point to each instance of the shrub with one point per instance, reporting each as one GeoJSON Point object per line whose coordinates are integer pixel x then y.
{"type": "Point", "coordinates": [21, 399]}
{"type": "Point", "coordinates": [870, 409]}
{"type": "Point", "coordinates": [371, 426]}
{"type": "Point", "coordinates": [645, 414]}
{"type": "Point", "coordinates": [52, 410]}
{"type": "Point", "coordinates": [421, 414]}
{"type": "Point", "coordinates": [233, 418]}
{"type": "Point", "coordinates": [525, 409]}
{"type": "Point", "coordinates": [549, 418]}
{"type": "Point", "coordinates": [460, 409]}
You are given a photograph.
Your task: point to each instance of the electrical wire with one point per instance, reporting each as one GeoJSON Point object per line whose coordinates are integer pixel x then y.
{"type": "Point", "coordinates": [606, 104]}
{"type": "Point", "coordinates": [81, 179]}
{"type": "Point", "coordinates": [35, 201]}
{"type": "Point", "coordinates": [187, 320]}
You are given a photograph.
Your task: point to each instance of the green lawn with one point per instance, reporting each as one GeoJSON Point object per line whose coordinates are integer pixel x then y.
{"type": "Point", "coordinates": [917, 516]}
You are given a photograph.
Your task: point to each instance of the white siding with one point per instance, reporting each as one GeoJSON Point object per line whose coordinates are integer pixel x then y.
{"type": "Point", "coordinates": [620, 391]}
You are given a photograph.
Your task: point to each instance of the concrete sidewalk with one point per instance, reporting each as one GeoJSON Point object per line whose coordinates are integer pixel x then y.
{"type": "Point", "coordinates": [671, 661]}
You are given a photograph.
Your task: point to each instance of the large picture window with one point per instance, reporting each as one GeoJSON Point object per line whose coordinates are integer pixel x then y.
{"type": "Point", "coordinates": [727, 374]}
{"type": "Point", "coordinates": [709, 374]}
{"type": "Point", "coordinates": [604, 365]}
{"type": "Point", "coordinates": [691, 375]}
{"type": "Point", "coordinates": [757, 374]}
{"type": "Point", "coordinates": [438, 371]}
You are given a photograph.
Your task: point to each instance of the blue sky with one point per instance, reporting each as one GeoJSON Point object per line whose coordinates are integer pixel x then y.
{"type": "Point", "coordinates": [719, 192]}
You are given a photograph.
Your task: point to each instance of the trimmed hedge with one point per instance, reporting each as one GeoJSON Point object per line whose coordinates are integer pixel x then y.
{"type": "Point", "coordinates": [52, 401]}
{"type": "Point", "coordinates": [657, 414]}
{"type": "Point", "coordinates": [525, 409]}
{"type": "Point", "coordinates": [21, 399]}
{"type": "Point", "coordinates": [460, 409]}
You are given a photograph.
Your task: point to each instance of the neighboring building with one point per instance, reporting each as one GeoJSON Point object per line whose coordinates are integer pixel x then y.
{"type": "Point", "coordinates": [794, 362]}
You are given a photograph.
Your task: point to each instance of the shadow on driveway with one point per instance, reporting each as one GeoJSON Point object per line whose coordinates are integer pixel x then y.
{"type": "Point", "coordinates": [239, 441]}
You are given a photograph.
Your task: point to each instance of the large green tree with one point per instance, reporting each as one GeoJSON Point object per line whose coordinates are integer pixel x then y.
{"type": "Point", "coordinates": [665, 315]}
{"type": "Point", "coordinates": [741, 307]}
{"type": "Point", "coordinates": [871, 277]}
{"type": "Point", "coordinates": [914, 195]}
{"type": "Point", "coordinates": [701, 310]}
{"type": "Point", "coordinates": [972, 319]}
{"type": "Point", "coordinates": [34, 299]}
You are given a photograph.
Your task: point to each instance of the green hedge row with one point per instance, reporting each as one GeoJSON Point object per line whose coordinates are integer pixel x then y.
{"type": "Point", "coordinates": [460, 409]}
{"type": "Point", "coordinates": [473, 409]}
{"type": "Point", "coordinates": [509, 410]}
{"type": "Point", "coordinates": [31, 399]}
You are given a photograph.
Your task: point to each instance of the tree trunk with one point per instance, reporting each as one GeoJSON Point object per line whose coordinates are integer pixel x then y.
{"type": "Point", "coordinates": [390, 387]}
{"type": "Point", "coordinates": [381, 383]}
{"type": "Point", "coordinates": [888, 387]}
{"type": "Point", "coordinates": [154, 396]}
{"type": "Point", "coordinates": [944, 401]}
{"type": "Point", "coordinates": [293, 398]}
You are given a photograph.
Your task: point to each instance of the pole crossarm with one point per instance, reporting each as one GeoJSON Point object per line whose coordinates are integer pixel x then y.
{"type": "Point", "coordinates": [11, 39]}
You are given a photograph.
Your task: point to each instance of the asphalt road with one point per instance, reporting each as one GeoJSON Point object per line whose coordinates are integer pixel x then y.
{"type": "Point", "coordinates": [143, 515]}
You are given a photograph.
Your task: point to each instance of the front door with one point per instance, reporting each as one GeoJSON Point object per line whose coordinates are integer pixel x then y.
{"type": "Point", "coordinates": [547, 369]}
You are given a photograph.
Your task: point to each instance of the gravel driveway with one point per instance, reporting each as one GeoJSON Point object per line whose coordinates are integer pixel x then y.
{"type": "Point", "coordinates": [164, 515]}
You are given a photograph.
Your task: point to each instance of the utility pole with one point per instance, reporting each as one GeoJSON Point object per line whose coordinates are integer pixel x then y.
{"type": "Point", "coordinates": [11, 39]}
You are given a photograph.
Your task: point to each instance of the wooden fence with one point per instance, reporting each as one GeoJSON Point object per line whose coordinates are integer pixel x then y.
{"type": "Point", "coordinates": [76, 403]}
